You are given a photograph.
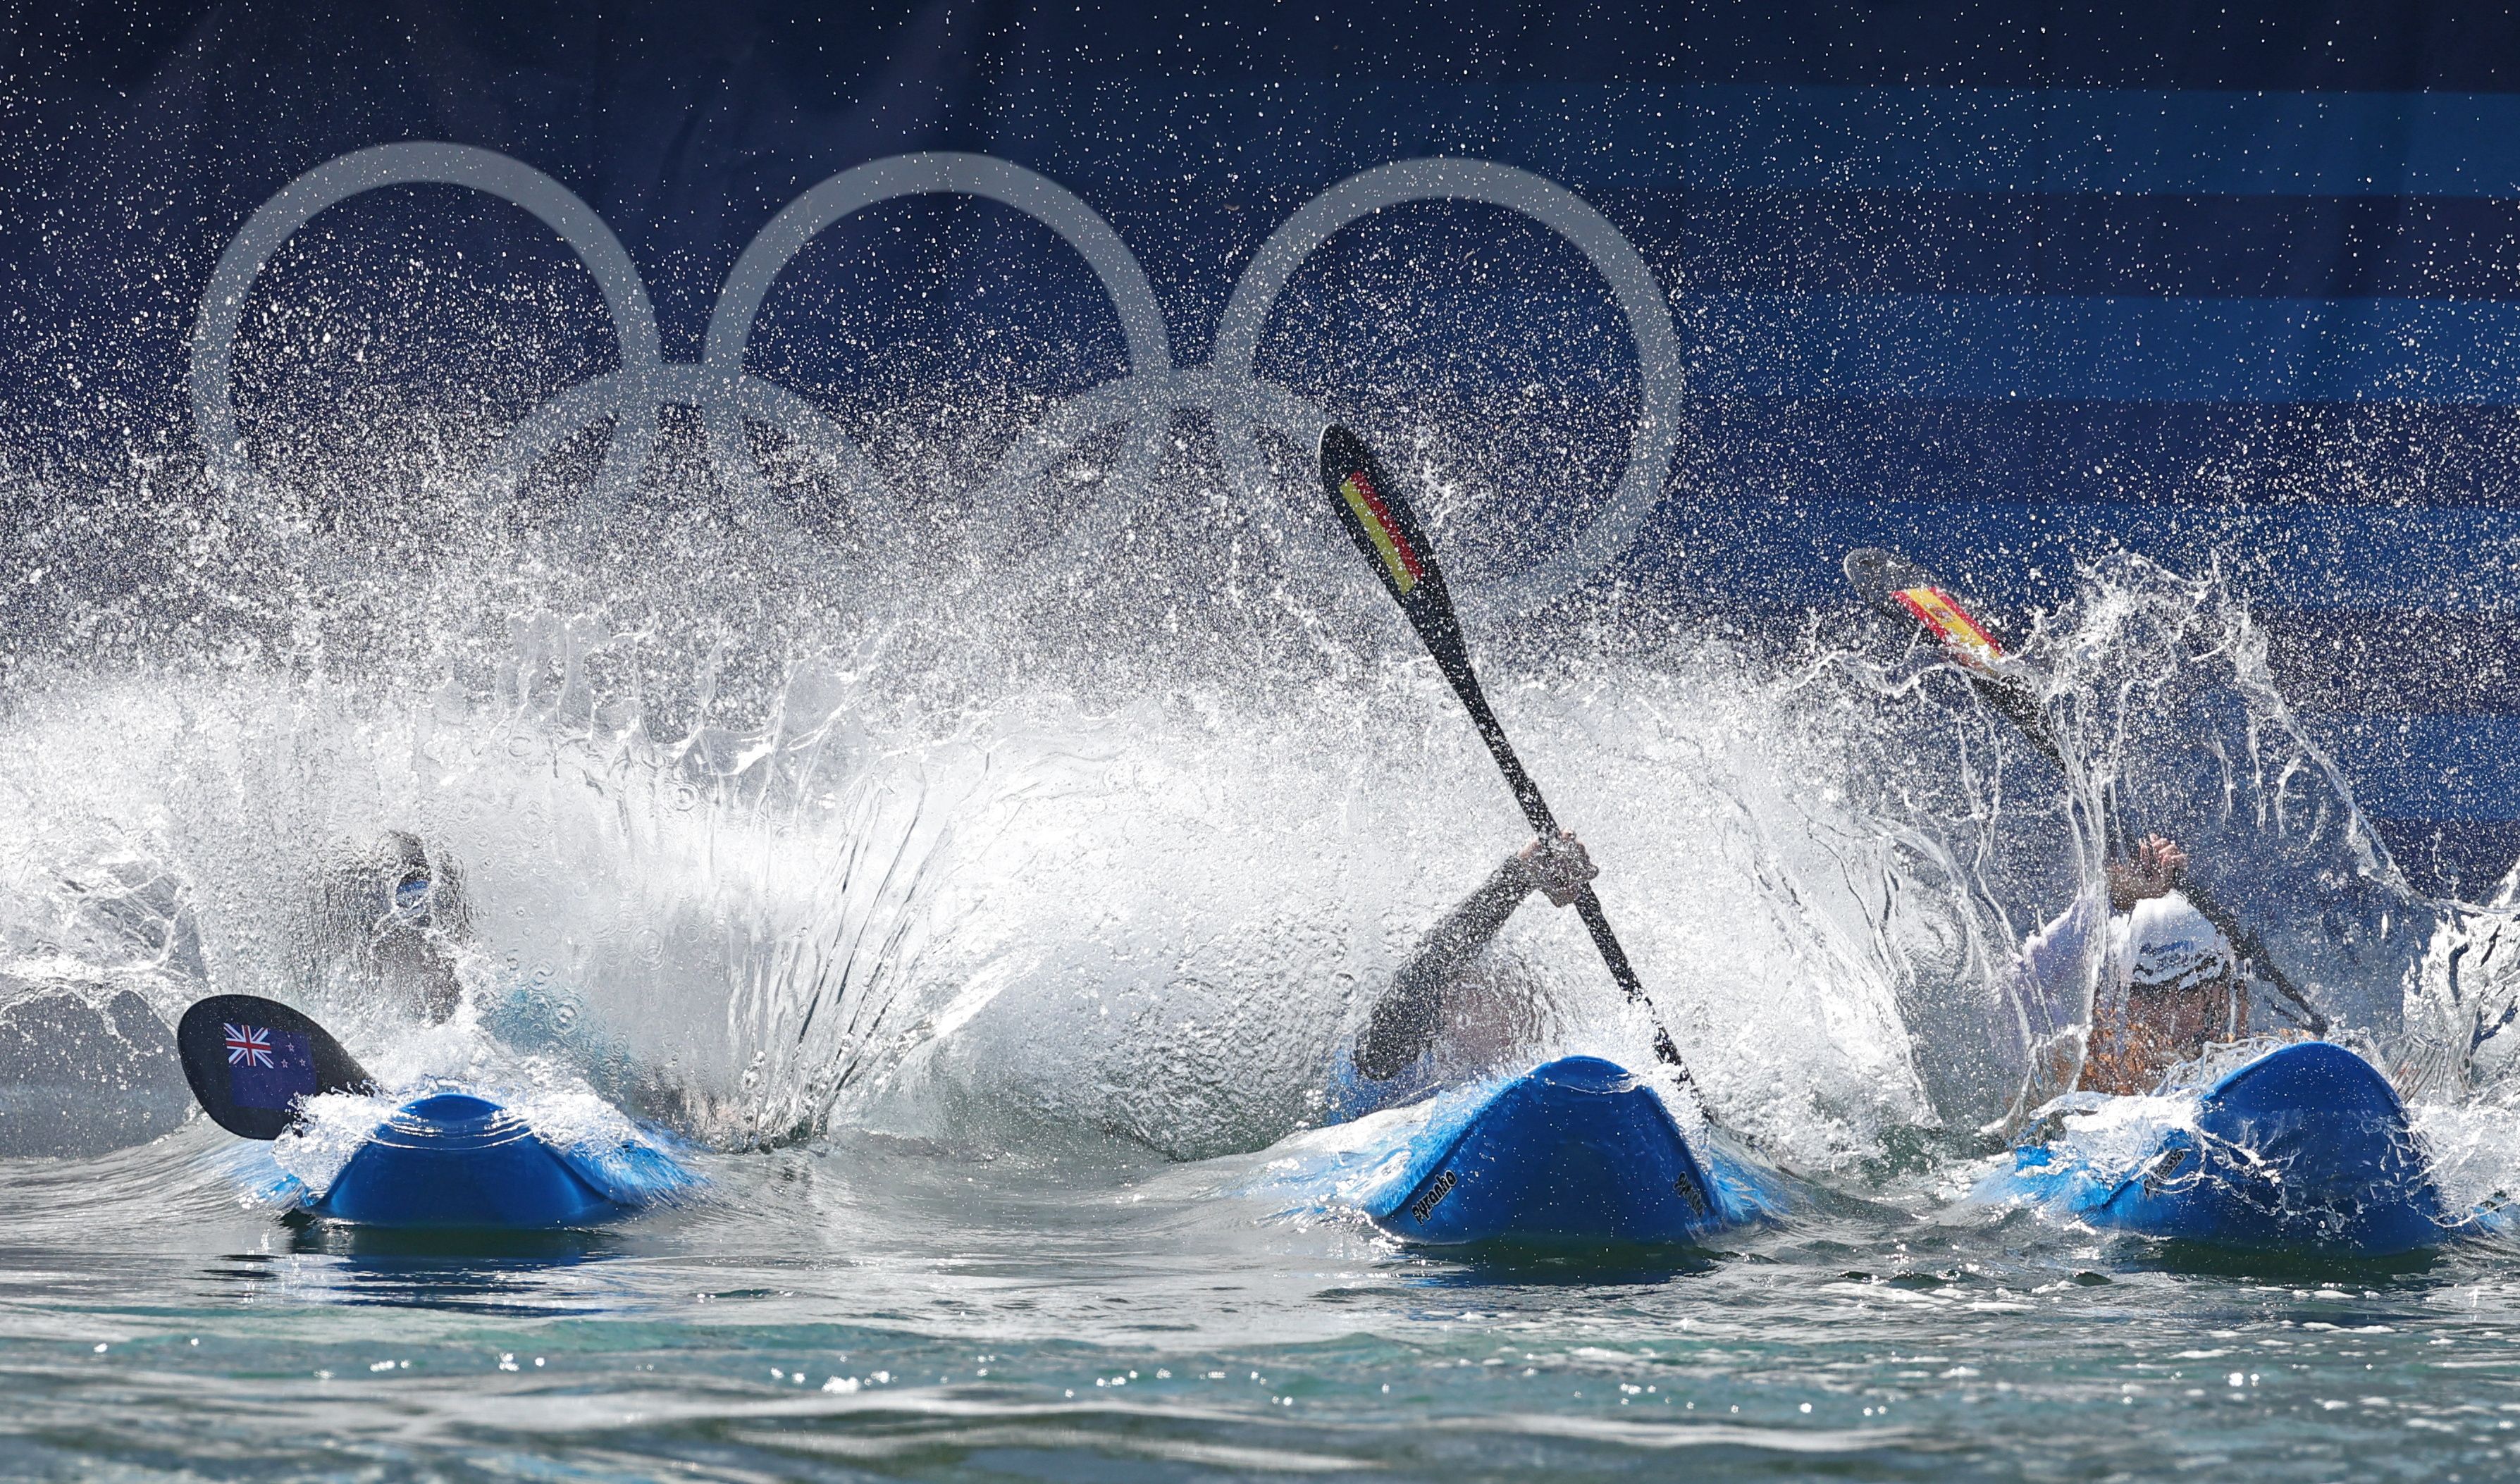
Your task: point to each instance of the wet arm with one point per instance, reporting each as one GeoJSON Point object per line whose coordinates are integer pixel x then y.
{"type": "Point", "coordinates": [1410, 1013]}
{"type": "Point", "coordinates": [2049, 995]}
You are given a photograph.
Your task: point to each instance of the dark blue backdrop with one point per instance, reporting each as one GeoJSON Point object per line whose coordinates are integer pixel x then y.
{"type": "Point", "coordinates": [2240, 279]}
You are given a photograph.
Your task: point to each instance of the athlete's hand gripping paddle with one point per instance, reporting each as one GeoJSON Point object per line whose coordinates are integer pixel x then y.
{"type": "Point", "coordinates": [1904, 592]}
{"type": "Point", "coordinates": [252, 1062]}
{"type": "Point", "coordinates": [1379, 518]}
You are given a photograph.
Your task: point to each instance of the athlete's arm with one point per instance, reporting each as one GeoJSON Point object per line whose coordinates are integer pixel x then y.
{"type": "Point", "coordinates": [2151, 872]}
{"type": "Point", "coordinates": [1406, 1021]}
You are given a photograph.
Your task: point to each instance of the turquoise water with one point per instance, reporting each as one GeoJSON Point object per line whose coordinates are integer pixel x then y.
{"type": "Point", "coordinates": [882, 1308]}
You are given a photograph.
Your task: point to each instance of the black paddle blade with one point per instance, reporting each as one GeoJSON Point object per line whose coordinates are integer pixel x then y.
{"type": "Point", "coordinates": [251, 1061]}
{"type": "Point", "coordinates": [1379, 521]}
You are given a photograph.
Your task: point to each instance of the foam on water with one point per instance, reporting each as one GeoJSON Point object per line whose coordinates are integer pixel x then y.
{"type": "Point", "coordinates": [988, 926]}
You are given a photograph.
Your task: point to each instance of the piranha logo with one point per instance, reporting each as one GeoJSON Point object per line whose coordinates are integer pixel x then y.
{"type": "Point", "coordinates": [1434, 1197]}
{"type": "Point", "coordinates": [1240, 404]}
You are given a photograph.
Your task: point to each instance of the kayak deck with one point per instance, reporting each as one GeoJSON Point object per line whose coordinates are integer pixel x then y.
{"type": "Point", "coordinates": [1576, 1151]}
{"type": "Point", "coordinates": [2305, 1150]}
{"type": "Point", "coordinates": [455, 1160]}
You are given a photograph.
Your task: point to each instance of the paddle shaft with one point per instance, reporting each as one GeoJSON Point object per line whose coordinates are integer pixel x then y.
{"type": "Point", "coordinates": [1385, 529]}
{"type": "Point", "coordinates": [1535, 809]}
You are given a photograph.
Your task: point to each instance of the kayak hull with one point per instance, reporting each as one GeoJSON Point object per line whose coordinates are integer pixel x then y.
{"type": "Point", "coordinates": [2305, 1150]}
{"type": "Point", "coordinates": [455, 1160]}
{"type": "Point", "coordinates": [1578, 1151]}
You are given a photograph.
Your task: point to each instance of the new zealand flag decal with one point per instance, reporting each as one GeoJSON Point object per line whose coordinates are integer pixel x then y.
{"type": "Point", "coordinates": [266, 1067]}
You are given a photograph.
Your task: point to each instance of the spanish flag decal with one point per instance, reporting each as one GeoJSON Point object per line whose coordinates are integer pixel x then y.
{"type": "Point", "coordinates": [1399, 558]}
{"type": "Point", "coordinates": [1952, 624]}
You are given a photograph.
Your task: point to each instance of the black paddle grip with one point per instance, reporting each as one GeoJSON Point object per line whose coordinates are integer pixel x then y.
{"type": "Point", "coordinates": [1535, 809]}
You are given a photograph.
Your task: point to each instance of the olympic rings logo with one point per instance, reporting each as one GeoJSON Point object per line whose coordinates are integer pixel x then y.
{"type": "Point", "coordinates": [1240, 404]}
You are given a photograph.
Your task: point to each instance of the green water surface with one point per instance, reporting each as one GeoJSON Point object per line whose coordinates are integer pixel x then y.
{"type": "Point", "coordinates": [879, 1309]}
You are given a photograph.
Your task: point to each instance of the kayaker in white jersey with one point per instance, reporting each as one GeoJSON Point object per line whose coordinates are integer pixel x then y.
{"type": "Point", "coordinates": [1441, 1021]}
{"type": "Point", "coordinates": [2169, 983]}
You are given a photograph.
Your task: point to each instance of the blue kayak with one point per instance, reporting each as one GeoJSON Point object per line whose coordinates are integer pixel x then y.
{"type": "Point", "coordinates": [453, 1160]}
{"type": "Point", "coordinates": [2305, 1150]}
{"type": "Point", "coordinates": [1578, 1151]}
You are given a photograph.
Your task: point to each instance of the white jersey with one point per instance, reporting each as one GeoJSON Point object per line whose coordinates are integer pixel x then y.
{"type": "Point", "coordinates": [2087, 958]}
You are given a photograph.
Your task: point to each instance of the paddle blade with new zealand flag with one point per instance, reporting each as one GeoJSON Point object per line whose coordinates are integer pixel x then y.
{"type": "Point", "coordinates": [1383, 526]}
{"type": "Point", "coordinates": [251, 1061]}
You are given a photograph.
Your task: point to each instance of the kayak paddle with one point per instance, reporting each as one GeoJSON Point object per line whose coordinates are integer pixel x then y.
{"type": "Point", "coordinates": [1900, 590]}
{"type": "Point", "coordinates": [1380, 519]}
{"type": "Point", "coordinates": [251, 1061]}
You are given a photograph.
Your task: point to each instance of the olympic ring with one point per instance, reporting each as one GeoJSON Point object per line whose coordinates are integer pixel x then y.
{"type": "Point", "coordinates": [800, 221]}
{"type": "Point", "coordinates": [1238, 402]}
{"type": "Point", "coordinates": [634, 319]}
{"type": "Point", "coordinates": [1657, 434]}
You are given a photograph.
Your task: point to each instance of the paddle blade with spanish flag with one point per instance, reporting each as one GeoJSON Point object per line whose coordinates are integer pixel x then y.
{"type": "Point", "coordinates": [1900, 590]}
{"type": "Point", "coordinates": [1379, 518]}
{"type": "Point", "coordinates": [1897, 587]}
